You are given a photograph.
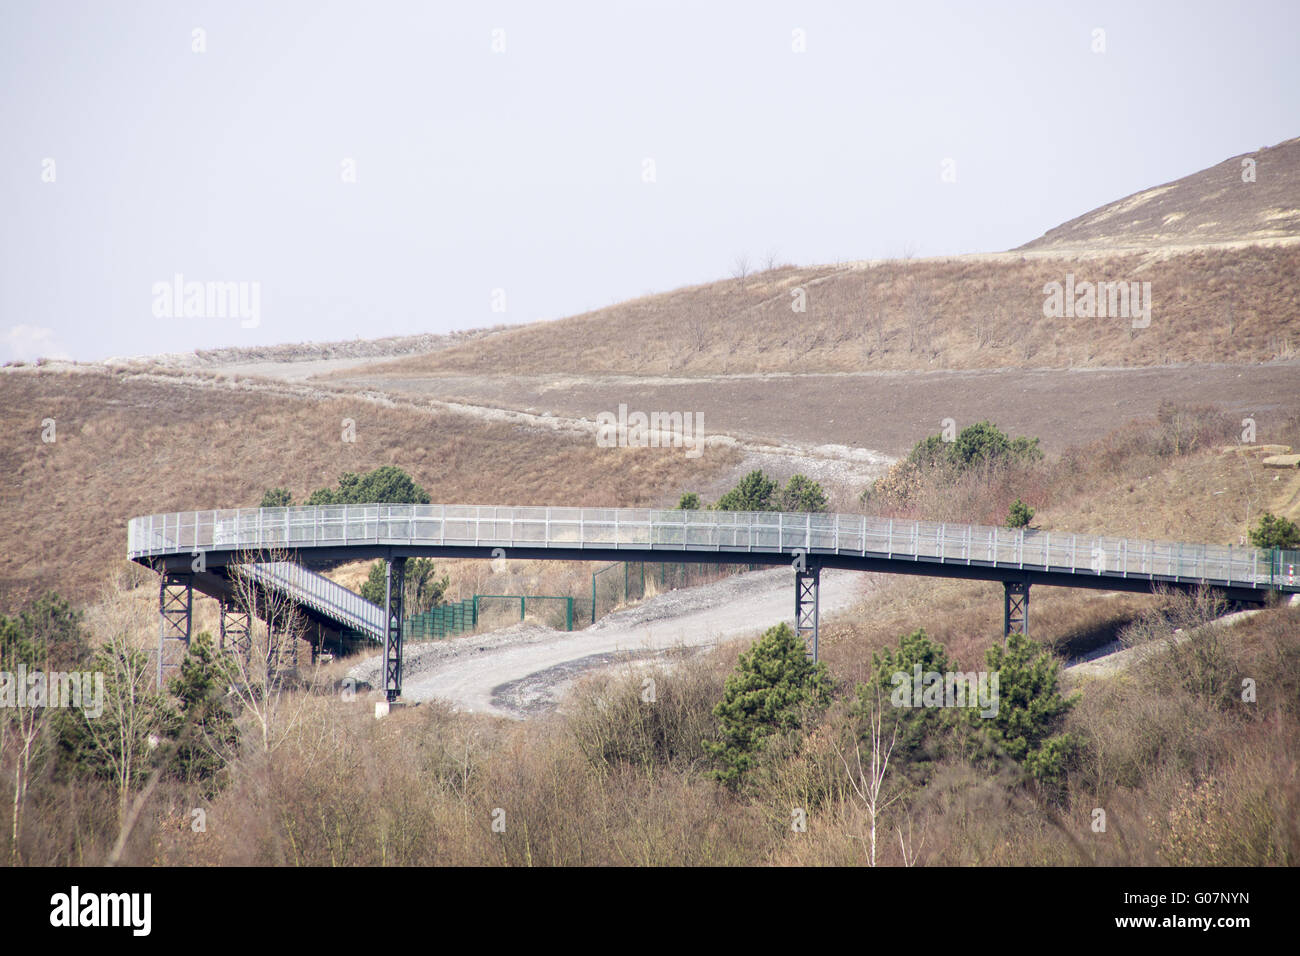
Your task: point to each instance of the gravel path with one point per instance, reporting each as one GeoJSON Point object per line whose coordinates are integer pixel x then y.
{"type": "Point", "coordinates": [524, 669]}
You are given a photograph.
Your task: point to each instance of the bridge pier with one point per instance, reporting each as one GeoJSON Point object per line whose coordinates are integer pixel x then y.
{"type": "Point", "coordinates": [394, 579]}
{"type": "Point", "coordinates": [236, 627]}
{"type": "Point", "coordinates": [1015, 608]}
{"type": "Point", "coordinates": [807, 592]}
{"type": "Point", "coordinates": [175, 613]}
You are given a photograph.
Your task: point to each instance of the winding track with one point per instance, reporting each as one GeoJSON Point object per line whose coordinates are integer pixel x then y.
{"type": "Point", "coordinates": [738, 607]}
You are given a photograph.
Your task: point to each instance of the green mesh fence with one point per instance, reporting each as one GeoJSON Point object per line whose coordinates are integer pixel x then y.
{"type": "Point", "coordinates": [611, 587]}
{"type": "Point", "coordinates": [621, 583]}
{"type": "Point", "coordinates": [444, 621]}
{"type": "Point", "coordinates": [501, 610]}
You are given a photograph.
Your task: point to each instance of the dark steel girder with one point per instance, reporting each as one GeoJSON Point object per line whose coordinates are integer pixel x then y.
{"type": "Point", "coordinates": [899, 564]}
{"type": "Point", "coordinates": [394, 579]}
{"type": "Point", "coordinates": [807, 595]}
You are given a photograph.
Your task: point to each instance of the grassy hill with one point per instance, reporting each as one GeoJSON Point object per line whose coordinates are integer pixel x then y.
{"type": "Point", "coordinates": [129, 444]}
{"type": "Point", "coordinates": [1234, 305]}
{"type": "Point", "coordinates": [1213, 205]}
{"type": "Point", "coordinates": [1222, 257]}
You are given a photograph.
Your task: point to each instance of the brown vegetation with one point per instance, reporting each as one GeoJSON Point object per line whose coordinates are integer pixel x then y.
{"type": "Point", "coordinates": [1212, 305]}
{"type": "Point", "coordinates": [127, 447]}
{"type": "Point", "coordinates": [1186, 772]}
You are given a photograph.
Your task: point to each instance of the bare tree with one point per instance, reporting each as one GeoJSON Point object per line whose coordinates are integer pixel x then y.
{"type": "Point", "coordinates": [878, 318]}
{"type": "Point", "coordinates": [697, 331]}
{"type": "Point", "coordinates": [919, 310]}
{"type": "Point", "coordinates": [988, 318]}
{"type": "Point", "coordinates": [869, 784]}
{"type": "Point", "coordinates": [130, 726]}
{"type": "Point", "coordinates": [20, 742]}
{"type": "Point", "coordinates": [908, 846]}
{"type": "Point", "coordinates": [263, 670]}
{"type": "Point", "coordinates": [740, 268]}
{"type": "Point", "coordinates": [769, 260]}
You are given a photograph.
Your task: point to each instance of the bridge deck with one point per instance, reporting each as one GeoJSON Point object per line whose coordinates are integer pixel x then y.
{"type": "Point", "coordinates": [343, 606]}
{"type": "Point", "coordinates": [634, 534]}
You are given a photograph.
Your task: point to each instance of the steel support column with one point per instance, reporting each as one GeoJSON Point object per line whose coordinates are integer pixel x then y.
{"type": "Point", "coordinates": [1015, 608]}
{"type": "Point", "coordinates": [175, 612]}
{"type": "Point", "coordinates": [393, 580]}
{"type": "Point", "coordinates": [807, 590]}
{"type": "Point", "coordinates": [236, 628]}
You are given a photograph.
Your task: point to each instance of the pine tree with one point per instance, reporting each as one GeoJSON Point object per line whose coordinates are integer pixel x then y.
{"type": "Point", "coordinates": [774, 689]}
{"type": "Point", "coordinates": [1275, 532]}
{"type": "Point", "coordinates": [276, 498]}
{"type": "Point", "coordinates": [423, 590]}
{"type": "Point", "coordinates": [754, 492]}
{"type": "Point", "coordinates": [204, 727]}
{"type": "Point", "coordinates": [1020, 515]}
{"type": "Point", "coordinates": [918, 730]}
{"type": "Point", "coordinates": [801, 493]}
{"type": "Point", "coordinates": [1030, 711]}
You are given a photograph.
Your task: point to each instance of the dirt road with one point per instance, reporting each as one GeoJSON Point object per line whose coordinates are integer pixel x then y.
{"type": "Point", "coordinates": [886, 412]}
{"type": "Point", "coordinates": [526, 669]}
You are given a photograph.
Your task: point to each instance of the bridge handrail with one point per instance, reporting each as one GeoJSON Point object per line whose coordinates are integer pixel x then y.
{"type": "Point", "coordinates": [641, 529]}
{"type": "Point", "coordinates": [342, 604]}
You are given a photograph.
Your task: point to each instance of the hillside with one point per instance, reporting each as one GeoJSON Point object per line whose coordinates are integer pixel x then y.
{"type": "Point", "coordinates": [129, 444]}
{"type": "Point", "coordinates": [1235, 305]}
{"type": "Point", "coordinates": [1222, 258]}
{"type": "Point", "coordinates": [1213, 205]}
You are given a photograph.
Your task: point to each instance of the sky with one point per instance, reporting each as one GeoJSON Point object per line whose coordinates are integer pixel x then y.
{"type": "Point", "coordinates": [179, 175]}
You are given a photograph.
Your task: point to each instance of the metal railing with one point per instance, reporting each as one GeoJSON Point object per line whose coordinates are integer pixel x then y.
{"type": "Point", "coordinates": [315, 590]}
{"type": "Point", "coordinates": [637, 529]}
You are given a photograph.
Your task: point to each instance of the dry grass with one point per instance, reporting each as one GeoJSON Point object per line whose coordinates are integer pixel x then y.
{"type": "Point", "coordinates": [127, 447]}
{"type": "Point", "coordinates": [1186, 771]}
{"type": "Point", "coordinates": [1221, 305]}
{"type": "Point", "coordinates": [1184, 778]}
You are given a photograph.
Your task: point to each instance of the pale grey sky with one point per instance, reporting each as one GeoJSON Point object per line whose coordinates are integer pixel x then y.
{"type": "Point", "coordinates": [524, 170]}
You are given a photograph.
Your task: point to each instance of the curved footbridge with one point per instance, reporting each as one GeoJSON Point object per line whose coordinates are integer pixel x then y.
{"type": "Point", "coordinates": [211, 550]}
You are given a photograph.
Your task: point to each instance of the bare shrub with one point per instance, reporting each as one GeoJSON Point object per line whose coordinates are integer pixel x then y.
{"type": "Point", "coordinates": [651, 718]}
{"type": "Point", "coordinates": [264, 669]}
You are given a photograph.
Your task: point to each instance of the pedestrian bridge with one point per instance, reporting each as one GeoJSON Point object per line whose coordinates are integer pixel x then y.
{"type": "Point", "coordinates": [204, 549]}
